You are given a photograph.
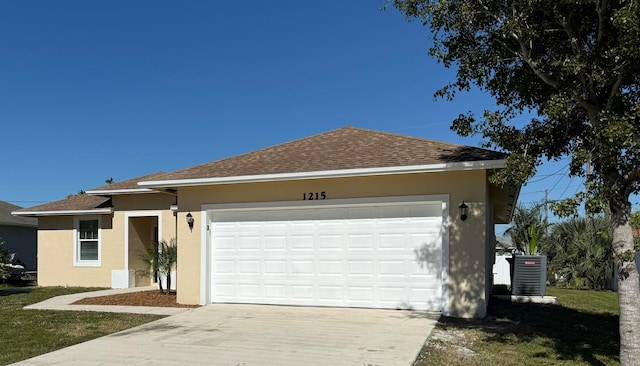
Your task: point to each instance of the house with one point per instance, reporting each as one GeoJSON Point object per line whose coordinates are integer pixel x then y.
{"type": "Point", "coordinates": [348, 218]}
{"type": "Point", "coordinates": [19, 234]}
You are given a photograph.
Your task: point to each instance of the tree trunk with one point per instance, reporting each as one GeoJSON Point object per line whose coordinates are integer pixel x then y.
{"type": "Point", "coordinates": [628, 283]}
{"type": "Point", "coordinates": [169, 283]}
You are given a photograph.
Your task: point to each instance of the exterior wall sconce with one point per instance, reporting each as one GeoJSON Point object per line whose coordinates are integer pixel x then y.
{"type": "Point", "coordinates": [190, 221]}
{"type": "Point", "coordinates": [463, 211]}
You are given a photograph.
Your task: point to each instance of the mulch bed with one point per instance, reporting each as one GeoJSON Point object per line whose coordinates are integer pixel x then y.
{"type": "Point", "coordinates": [139, 298]}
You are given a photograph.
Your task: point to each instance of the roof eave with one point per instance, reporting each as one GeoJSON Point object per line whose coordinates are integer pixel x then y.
{"type": "Point", "coordinates": [110, 192]}
{"type": "Point", "coordinates": [101, 211]}
{"type": "Point", "coordinates": [18, 224]}
{"type": "Point", "coordinates": [327, 174]}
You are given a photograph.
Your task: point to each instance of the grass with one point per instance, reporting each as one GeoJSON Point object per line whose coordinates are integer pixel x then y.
{"type": "Point", "coordinates": [582, 329]}
{"type": "Point", "coordinates": [28, 333]}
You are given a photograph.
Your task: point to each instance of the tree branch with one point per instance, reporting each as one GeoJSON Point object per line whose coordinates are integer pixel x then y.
{"type": "Point", "coordinates": [601, 9]}
{"type": "Point", "coordinates": [524, 53]}
{"type": "Point", "coordinates": [615, 89]}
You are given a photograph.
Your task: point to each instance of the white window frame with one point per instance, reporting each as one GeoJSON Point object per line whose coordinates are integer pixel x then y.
{"type": "Point", "coordinates": [77, 262]}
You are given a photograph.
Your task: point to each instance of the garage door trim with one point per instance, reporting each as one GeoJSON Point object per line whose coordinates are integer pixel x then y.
{"type": "Point", "coordinates": [207, 210]}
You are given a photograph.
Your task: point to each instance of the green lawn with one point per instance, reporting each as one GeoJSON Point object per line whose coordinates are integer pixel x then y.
{"type": "Point", "coordinates": [582, 329]}
{"type": "Point", "coordinates": [28, 333]}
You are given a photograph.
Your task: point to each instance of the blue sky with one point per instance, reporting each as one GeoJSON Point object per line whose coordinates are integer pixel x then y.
{"type": "Point", "coordinates": [91, 90]}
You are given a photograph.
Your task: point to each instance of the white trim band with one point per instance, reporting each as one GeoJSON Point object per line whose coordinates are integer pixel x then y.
{"type": "Point", "coordinates": [120, 191]}
{"type": "Point", "coordinates": [343, 173]}
{"type": "Point", "coordinates": [100, 211]}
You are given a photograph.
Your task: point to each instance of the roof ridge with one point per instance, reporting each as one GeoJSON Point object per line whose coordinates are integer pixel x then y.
{"type": "Point", "coordinates": [134, 179]}
{"type": "Point", "coordinates": [418, 138]}
{"type": "Point", "coordinates": [265, 148]}
{"type": "Point", "coordinates": [342, 148]}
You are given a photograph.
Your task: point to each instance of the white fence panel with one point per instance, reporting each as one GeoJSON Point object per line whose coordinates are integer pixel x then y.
{"type": "Point", "coordinates": [501, 271]}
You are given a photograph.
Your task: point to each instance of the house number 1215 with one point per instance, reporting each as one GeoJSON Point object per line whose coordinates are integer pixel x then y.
{"type": "Point", "coordinates": [314, 196]}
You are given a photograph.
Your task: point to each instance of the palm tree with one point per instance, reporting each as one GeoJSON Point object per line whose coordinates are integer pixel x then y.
{"type": "Point", "coordinates": [160, 259]}
{"type": "Point", "coordinates": [528, 228]}
{"type": "Point", "coordinates": [580, 254]}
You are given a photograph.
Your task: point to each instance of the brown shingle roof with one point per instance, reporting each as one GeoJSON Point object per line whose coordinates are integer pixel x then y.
{"type": "Point", "coordinates": [90, 202]}
{"type": "Point", "coordinates": [344, 148]}
{"type": "Point", "coordinates": [130, 183]}
{"type": "Point", "coordinates": [74, 203]}
{"type": "Point", "coordinates": [7, 219]}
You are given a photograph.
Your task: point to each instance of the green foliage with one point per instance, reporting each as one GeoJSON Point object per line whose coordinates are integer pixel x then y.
{"type": "Point", "coordinates": [80, 192]}
{"type": "Point", "coordinates": [28, 333]}
{"type": "Point", "coordinates": [160, 258]}
{"type": "Point", "coordinates": [5, 258]}
{"type": "Point", "coordinates": [635, 220]}
{"type": "Point", "coordinates": [527, 228]}
{"type": "Point", "coordinates": [573, 63]}
{"type": "Point", "coordinates": [579, 253]}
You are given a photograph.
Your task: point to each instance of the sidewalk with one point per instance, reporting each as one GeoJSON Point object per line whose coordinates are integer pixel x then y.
{"type": "Point", "coordinates": [65, 302]}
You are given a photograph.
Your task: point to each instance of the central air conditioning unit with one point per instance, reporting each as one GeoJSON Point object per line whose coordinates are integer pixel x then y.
{"type": "Point", "coordinates": [530, 275]}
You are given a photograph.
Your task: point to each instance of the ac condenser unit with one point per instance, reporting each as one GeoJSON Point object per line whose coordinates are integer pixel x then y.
{"type": "Point", "coordinates": [530, 275]}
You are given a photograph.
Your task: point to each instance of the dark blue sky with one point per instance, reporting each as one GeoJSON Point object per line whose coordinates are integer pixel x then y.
{"type": "Point", "coordinates": [91, 90]}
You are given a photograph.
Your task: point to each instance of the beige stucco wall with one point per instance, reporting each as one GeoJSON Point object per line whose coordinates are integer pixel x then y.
{"type": "Point", "coordinates": [467, 250]}
{"type": "Point", "coordinates": [55, 242]}
{"type": "Point", "coordinates": [55, 254]}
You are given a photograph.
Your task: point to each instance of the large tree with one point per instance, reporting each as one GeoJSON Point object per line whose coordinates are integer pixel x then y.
{"type": "Point", "coordinates": [573, 65]}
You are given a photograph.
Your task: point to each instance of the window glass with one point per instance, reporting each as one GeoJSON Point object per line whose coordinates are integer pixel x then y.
{"type": "Point", "coordinates": [89, 229]}
{"type": "Point", "coordinates": [89, 251]}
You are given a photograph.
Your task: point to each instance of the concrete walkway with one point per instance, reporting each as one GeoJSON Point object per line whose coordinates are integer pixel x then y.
{"type": "Point", "coordinates": [236, 334]}
{"type": "Point", "coordinates": [65, 302]}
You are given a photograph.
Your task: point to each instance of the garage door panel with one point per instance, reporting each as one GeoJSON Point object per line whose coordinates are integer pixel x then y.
{"type": "Point", "coordinates": [227, 291]}
{"type": "Point", "coordinates": [333, 294]}
{"type": "Point", "coordinates": [248, 242]}
{"type": "Point", "coordinates": [392, 268]}
{"type": "Point", "coordinates": [301, 242]}
{"type": "Point", "coordinates": [360, 241]}
{"type": "Point", "coordinates": [302, 268]}
{"type": "Point", "coordinates": [360, 293]}
{"type": "Point", "coordinates": [275, 242]}
{"type": "Point", "coordinates": [249, 267]}
{"type": "Point", "coordinates": [275, 292]}
{"type": "Point", "coordinates": [330, 268]}
{"type": "Point", "coordinates": [302, 292]}
{"type": "Point", "coordinates": [360, 268]}
{"type": "Point", "coordinates": [330, 241]}
{"type": "Point", "coordinates": [275, 267]}
{"type": "Point", "coordinates": [362, 257]}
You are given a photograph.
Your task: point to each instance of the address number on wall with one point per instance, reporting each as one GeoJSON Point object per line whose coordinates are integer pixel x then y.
{"type": "Point", "coordinates": [308, 196]}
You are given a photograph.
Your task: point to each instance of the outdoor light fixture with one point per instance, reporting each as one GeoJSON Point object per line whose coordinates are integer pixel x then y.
{"type": "Point", "coordinates": [463, 211]}
{"type": "Point", "coordinates": [190, 220]}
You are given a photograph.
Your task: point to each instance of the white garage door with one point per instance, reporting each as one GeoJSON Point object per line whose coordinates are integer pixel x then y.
{"type": "Point", "coordinates": [377, 256]}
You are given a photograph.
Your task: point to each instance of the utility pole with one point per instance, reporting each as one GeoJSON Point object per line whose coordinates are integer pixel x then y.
{"type": "Point", "coordinates": [587, 186]}
{"type": "Point", "coordinates": [546, 207]}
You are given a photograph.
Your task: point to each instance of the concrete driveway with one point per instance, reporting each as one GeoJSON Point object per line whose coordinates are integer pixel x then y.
{"type": "Point", "coordinates": [239, 335]}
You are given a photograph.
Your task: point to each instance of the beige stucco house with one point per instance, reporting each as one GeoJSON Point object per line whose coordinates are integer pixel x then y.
{"type": "Point", "coordinates": [348, 218]}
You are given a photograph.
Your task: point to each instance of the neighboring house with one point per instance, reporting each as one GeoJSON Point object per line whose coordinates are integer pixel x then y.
{"type": "Point", "coordinates": [349, 217]}
{"type": "Point", "coordinates": [20, 235]}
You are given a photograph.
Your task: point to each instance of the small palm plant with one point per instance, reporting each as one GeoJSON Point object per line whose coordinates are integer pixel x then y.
{"type": "Point", "coordinates": [160, 259]}
{"type": "Point", "coordinates": [528, 229]}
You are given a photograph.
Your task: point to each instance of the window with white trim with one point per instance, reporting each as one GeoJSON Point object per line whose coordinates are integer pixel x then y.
{"type": "Point", "coordinates": [87, 242]}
